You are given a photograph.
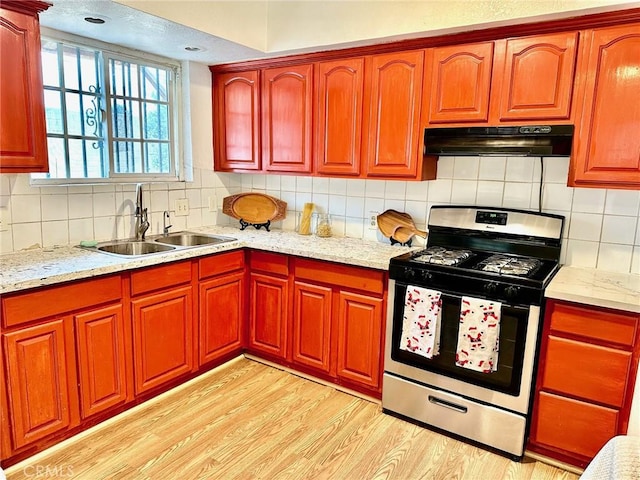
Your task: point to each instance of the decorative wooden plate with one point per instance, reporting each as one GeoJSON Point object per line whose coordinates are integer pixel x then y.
{"type": "Point", "coordinates": [254, 208]}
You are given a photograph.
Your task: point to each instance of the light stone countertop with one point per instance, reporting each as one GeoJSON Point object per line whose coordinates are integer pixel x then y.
{"type": "Point", "coordinates": [48, 266]}
{"type": "Point", "coordinates": [588, 286]}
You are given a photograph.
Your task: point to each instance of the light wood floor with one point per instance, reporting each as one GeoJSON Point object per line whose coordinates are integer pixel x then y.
{"type": "Point", "coordinates": [252, 421]}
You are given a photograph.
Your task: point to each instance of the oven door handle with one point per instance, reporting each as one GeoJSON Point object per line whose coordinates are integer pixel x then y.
{"type": "Point", "coordinates": [447, 404]}
{"type": "Point", "coordinates": [505, 305]}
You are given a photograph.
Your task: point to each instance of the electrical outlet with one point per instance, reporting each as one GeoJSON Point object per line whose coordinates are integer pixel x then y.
{"type": "Point", "coordinates": [182, 207]}
{"type": "Point", "coordinates": [373, 220]}
{"type": "Point", "coordinates": [213, 204]}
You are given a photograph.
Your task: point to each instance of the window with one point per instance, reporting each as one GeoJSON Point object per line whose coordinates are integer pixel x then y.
{"type": "Point", "coordinates": [110, 117]}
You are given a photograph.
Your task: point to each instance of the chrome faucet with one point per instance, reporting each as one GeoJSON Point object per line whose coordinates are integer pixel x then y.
{"type": "Point", "coordinates": [165, 219]}
{"type": "Point", "coordinates": [142, 222]}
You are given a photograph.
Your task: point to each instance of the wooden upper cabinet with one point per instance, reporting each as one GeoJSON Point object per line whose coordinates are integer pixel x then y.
{"type": "Point", "coordinates": [287, 118]}
{"type": "Point", "coordinates": [535, 77]}
{"type": "Point", "coordinates": [458, 82]}
{"type": "Point", "coordinates": [393, 93]}
{"type": "Point", "coordinates": [237, 121]}
{"type": "Point", "coordinates": [339, 116]}
{"type": "Point", "coordinates": [23, 142]}
{"type": "Point", "coordinates": [607, 140]}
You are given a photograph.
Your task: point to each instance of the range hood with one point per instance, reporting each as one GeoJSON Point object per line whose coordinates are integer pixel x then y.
{"type": "Point", "coordinates": [530, 140]}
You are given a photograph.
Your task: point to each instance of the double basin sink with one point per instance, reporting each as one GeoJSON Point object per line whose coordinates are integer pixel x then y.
{"type": "Point", "coordinates": [160, 244]}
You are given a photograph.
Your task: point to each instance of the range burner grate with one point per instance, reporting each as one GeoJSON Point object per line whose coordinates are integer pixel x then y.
{"type": "Point", "coordinates": [506, 265]}
{"type": "Point", "coordinates": [442, 256]}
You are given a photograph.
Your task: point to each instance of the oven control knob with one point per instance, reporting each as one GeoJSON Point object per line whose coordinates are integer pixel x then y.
{"type": "Point", "coordinates": [491, 288]}
{"type": "Point", "coordinates": [426, 276]}
{"type": "Point", "coordinates": [409, 273]}
{"type": "Point", "coordinates": [511, 291]}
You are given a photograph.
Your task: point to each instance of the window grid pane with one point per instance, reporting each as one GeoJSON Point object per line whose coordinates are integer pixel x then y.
{"type": "Point", "coordinates": [138, 97]}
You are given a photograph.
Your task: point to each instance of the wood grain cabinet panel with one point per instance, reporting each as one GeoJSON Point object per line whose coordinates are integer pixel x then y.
{"type": "Point", "coordinates": [35, 359]}
{"type": "Point", "coordinates": [607, 141]}
{"type": "Point", "coordinates": [591, 372]}
{"type": "Point", "coordinates": [577, 427]}
{"type": "Point", "coordinates": [287, 118]}
{"type": "Point", "coordinates": [23, 142]}
{"type": "Point", "coordinates": [584, 388]}
{"type": "Point", "coordinates": [536, 77]}
{"type": "Point", "coordinates": [393, 93]}
{"type": "Point", "coordinates": [162, 337]}
{"type": "Point", "coordinates": [237, 121]}
{"type": "Point", "coordinates": [221, 316]}
{"type": "Point", "coordinates": [100, 348]}
{"type": "Point", "coordinates": [459, 83]}
{"type": "Point", "coordinates": [268, 318]}
{"type": "Point", "coordinates": [312, 326]}
{"type": "Point", "coordinates": [339, 116]}
{"type": "Point", "coordinates": [360, 324]}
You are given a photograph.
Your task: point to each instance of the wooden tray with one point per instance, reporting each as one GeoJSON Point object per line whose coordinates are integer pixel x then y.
{"type": "Point", "coordinates": [255, 208]}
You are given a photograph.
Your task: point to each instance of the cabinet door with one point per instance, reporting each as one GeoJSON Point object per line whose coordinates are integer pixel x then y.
{"type": "Point", "coordinates": [537, 77]}
{"type": "Point", "coordinates": [607, 140]}
{"type": "Point", "coordinates": [162, 337]}
{"type": "Point", "coordinates": [23, 142]}
{"type": "Point", "coordinates": [339, 120]}
{"type": "Point", "coordinates": [236, 125]}
{"type": "Point", "coordinates": [287, 117]}
{"type": "Point", "coordinates": [221, 317]}
{"type": "Point", "coordinates": [460, 83]}
{"type": "Point", "coordinates": [589, 372]}
{"type": "Point", "coordinates": [36, 364]}
{"type": "Point", "coordinates": [312, 326]}
{"type": "Point", "coordinates": [393, 93]}
{"type": "Point", "coordinates": [359, 338]}
{"type": "Point", "coordinates": [101, 359]}
{"type": "Point", "coordinates": [577, 427]}
{"type": "Point", "coordinates": [268, 317]}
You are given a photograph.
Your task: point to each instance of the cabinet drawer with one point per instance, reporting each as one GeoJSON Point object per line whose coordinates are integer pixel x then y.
{"type": "Point", "coordinates": [357, 278]}
{"type": "Point", "coordinates": [574, 426]}
{"type": "Point", "coordinates": [588, 371]}
{"type": "Point", "coordinates": [25, 307]}
{"type": "Point", "coordinates": [269, 262]}
{"type": "Point", "coordinates": [156, 278]}
{"type": "Point", "coordinates": [220, 263]}
{"type": "Point", "coordinates": [598, 324]}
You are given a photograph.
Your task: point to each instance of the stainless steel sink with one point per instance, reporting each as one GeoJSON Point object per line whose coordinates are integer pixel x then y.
{"type": "Point", "coordinates": [132, 247]}
{"type": "Point", "coordinates": [159, 244]}
{"type": "Point", "coordinates": [189, 239]}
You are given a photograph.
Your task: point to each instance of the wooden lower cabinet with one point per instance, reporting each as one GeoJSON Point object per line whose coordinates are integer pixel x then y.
{"type": "Point", "coordinates": [162, 337]}
{"type": "Point", "coordinates": [312, 326]}
{"type": "Point", "coordinates": [338, 322]}
{"type": "Point", "coordinates": [268, 317]}
{"type": "Point", "coordinates": [38, 382]}
{"type": "Point", "coordinates": [221, 317]}
{"type": "Point", "coordinates": [100, 348]}
{"type": "Point", "coordinates": [360, 324]}
{"type": "Point", "coordinates": [588, 366]}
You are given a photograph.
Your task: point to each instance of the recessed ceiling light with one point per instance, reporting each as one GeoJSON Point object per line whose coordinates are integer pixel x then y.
{"type": "Point", "coordinates": [95, 20]}
{"type": "Point", "coordinates": [193, 49]}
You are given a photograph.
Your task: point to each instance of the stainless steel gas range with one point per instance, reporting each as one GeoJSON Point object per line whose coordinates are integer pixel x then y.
{"type": "Point", "coordinates": [464, 320]}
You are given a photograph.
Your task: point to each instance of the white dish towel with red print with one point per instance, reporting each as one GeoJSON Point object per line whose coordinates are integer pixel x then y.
{"type": "Point", "coordinates": [421, 321]}
{"type": "Point", "coordinates": [478, 335]}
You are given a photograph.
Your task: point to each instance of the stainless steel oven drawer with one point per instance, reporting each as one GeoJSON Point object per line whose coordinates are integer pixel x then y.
{"type": "Point", "coordinates": [488, 425]}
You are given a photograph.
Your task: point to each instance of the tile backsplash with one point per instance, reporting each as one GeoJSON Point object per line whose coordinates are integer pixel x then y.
{"type": "Point", "coordinates": [602, 228]}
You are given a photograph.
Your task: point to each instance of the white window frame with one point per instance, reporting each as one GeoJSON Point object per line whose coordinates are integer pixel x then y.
{"type": "Point", "coordinates": [176, 136]}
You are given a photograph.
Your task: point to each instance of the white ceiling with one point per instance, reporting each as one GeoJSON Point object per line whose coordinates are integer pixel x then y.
{"type": "Point", "coordinates": [296, 26]}
{"type": "Point", "coordinates": [132, 28]}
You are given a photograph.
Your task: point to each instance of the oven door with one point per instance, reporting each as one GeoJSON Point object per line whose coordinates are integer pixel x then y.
{"type": "Point", "coordinates": [513, 332]}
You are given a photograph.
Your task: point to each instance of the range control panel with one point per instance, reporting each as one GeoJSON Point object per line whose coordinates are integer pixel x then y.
{"type": "Point", "coordinates": [491, 218]}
